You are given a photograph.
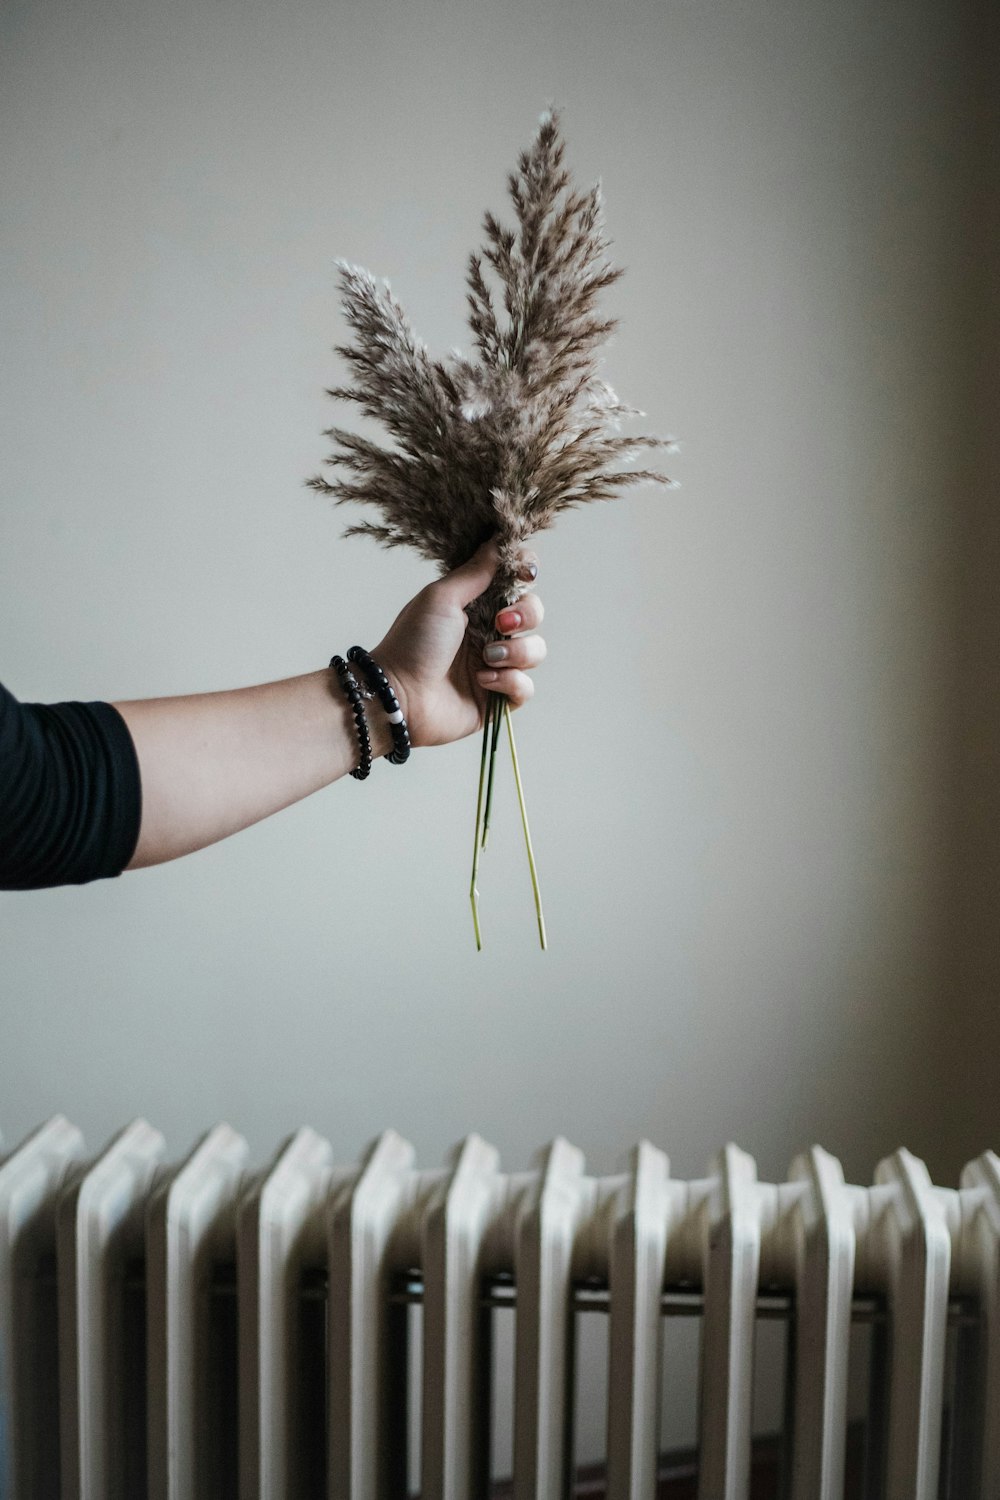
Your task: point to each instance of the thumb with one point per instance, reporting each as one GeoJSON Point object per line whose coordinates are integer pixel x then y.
{"type": "Point", "coordinates": [467, 582]}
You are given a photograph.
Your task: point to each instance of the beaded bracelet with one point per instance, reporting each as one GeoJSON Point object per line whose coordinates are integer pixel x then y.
{"type": "Point", "coordinates": [352, 692]}
{"type": "Point", "coordinates": [380, 684]}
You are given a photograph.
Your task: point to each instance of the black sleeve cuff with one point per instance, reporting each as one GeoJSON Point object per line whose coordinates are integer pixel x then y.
{"type": "Point", "coordinates": [70, 793]}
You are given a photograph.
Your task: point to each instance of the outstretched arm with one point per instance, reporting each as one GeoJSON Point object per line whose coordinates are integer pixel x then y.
{"type": "Point", "coordinates": [214, 763]}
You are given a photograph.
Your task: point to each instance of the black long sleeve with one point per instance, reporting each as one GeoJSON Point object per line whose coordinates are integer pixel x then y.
{"type": "Point", "coordinates": [70, 793]}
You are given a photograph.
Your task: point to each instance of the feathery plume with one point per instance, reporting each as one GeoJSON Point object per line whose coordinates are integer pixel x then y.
{"type": "Point", "coordinates": [503, 442]}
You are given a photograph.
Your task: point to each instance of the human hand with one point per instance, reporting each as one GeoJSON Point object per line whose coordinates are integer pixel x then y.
{"type": "Point", "coordinates": [441, 686]}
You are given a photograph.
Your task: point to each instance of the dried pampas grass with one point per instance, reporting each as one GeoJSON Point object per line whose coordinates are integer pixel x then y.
{"type": "Point", "coordinates": [502, 443]}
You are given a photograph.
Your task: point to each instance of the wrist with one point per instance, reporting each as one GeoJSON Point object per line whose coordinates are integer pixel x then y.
{"type": "Point", "coordinates": [376, 724]}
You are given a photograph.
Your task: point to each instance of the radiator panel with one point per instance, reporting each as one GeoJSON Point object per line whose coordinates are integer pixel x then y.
{"type": "Point", "coordinates": [30, 1182]}
{"type": "Point", "coordinates": [279, 1230]}
{"type": "Point", "coordinates": [456, 1363]}
{"type": "Point", "coordinates": [731, 1260]}
{"type": "Point", "coordinates": [547, 1217]}
{"type": "Point", "coordinates": [916, 1248]}
{"type": "Point", "coordinates": [824, 1246]}
{"type": "Point", "coordinates": [123, 1280]}
{"type": "Point", "coordinates": [638, 1245]}
{"type": "Point", "coordinates": [979, 1269]}
{"type": "Point", "coordinates": [190, 1224]}
{"type": "Point", "coordinates": [367, 1339]}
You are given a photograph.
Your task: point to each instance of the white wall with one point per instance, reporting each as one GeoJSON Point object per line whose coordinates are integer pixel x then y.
{"type": "Point", "coordinates": [739, 761]}
{"type": "Point", "coordinates": [966, 1065]}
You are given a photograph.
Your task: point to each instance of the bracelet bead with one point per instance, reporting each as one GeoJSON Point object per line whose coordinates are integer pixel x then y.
{"type": "Point", "coordinates": [352, 693]}
{"type": "Point", "coordinates": [382, 687]}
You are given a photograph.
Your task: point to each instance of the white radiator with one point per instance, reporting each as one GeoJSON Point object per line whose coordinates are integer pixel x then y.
{"type": "Point", "coordinates": [205, 1329]}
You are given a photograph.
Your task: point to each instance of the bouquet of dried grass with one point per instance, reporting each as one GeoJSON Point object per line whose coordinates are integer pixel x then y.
{"type": "Point", "coordinates": [501, 443]}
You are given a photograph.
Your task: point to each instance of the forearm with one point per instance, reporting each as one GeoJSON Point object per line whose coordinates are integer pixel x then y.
{"type": "Point", "coordinates": [214, 763]}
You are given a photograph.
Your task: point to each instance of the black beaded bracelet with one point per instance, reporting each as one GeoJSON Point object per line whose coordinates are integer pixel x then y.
{"type": "Point", "coordinates": [352, 692]}
{"type": "Point", "coordinates": [382, 687]}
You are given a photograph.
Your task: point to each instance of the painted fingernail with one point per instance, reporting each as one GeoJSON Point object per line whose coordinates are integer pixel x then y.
{"type": "Point", "coordinates": [508, 620]}
{"type": "Point", "coordinates": [495, 653]}
{"type": "Point", "coordinates": [485, 676]}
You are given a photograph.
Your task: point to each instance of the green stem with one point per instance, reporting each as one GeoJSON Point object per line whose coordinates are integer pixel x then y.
{"type": "Point", "coordinates": [494, 715]}
{"type": "Point", "coordinates": [524, 825]}
{"type": "Point", "coordinates": [473, 890]}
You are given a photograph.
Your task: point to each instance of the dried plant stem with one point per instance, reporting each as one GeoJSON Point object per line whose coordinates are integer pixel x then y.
{"type": "Point", "coordinates": [524, 825]}
{"type": "Point", "coordinates": [497, 711]}
{"type": "Point", "coordinates": [494, 716]}
{"type": "Point", "coordinates": [473, 890]}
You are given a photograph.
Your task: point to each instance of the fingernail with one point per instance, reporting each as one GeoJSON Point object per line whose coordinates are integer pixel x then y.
{"type": "Point", "coordinates": [496, 652]}
{"type": "Point", "coordinates": [508, 620]}
{"type": "Point", "coordinates": [487, 676]}
{"type": "Point", "coordinates": [528, 572]}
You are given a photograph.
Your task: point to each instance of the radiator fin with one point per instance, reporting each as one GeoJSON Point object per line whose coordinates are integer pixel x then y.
{"type": "Point", "coordinates": [30, 1181]}
{"type": "Point", "coordinates": [824, 1239]}
{"type": "Point", "coordinates": [731, 1229]}
{"type": "Point", "coordinates": [916, 1246]}
{"type": "Point", "coordinates": [99, 1229]}
{"type": "Point", "coordinates": [367, 1333]}
{"type": "Point", "coordinates": [190, 1225]}
{"type": "Point", "coordinates": [455, 1406]}
{"type": "Point", "coordinates": [279, 1221]}
{"type": "Point", "coordinates": [543, 1351]}
{"type": "Point", "coordinates": [980, 1264]}
{"type": "Point", "coordinates": [635, 1278]}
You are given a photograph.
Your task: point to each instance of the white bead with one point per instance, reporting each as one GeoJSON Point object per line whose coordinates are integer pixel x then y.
{"type": "Point", "coordinates": [397, 717]}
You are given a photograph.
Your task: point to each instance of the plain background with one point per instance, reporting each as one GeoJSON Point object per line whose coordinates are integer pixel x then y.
{"type": "Point", "coordinates": [759, 764]}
